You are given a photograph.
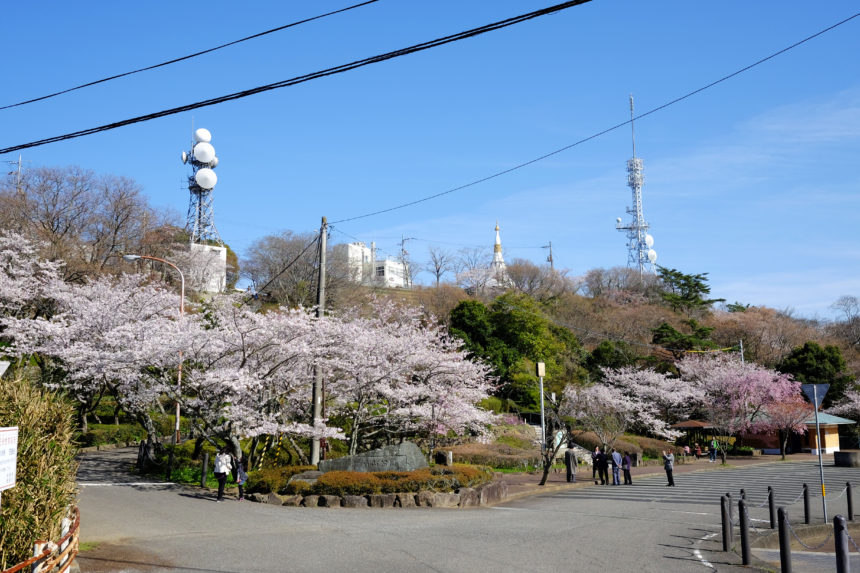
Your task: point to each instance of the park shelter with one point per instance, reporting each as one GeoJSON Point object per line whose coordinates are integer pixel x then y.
{"type": "Point", "coordinates": [829, 433]}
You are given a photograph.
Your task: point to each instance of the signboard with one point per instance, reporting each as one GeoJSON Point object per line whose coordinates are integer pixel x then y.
{"type": "Point", "coordinates": [815, 393]}
{"type": "Point", "coordinates": [8, 456]}
{"type": "Point", "coordinates": [3, 366]}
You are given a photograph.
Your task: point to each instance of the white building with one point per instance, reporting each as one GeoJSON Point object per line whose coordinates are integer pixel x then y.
{"type": "Point", "coordinates": [208, 264]}
{"type": "Point", "coordinates": [363, 267]}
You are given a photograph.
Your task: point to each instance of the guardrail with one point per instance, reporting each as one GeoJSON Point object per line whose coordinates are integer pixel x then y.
{"type": "Point", "coordinates": [54, 556]}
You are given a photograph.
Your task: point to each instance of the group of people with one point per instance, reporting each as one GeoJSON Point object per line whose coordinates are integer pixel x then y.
{"type": "Point", "coordinates": [226, 462]}
{"type": "Point", "coordinates": [620, 463]}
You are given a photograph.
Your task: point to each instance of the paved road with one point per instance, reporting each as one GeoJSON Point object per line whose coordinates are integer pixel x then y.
{"type": "Point", "coordinates": [144, 526]}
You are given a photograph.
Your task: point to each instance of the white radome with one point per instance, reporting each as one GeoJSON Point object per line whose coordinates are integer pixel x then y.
{"type": "Point", "coordinates": [204, 152]}
{"type": "Point", "coordinates": [184, 157]}
{"type": "Point", "coordinates": [652, 254]}
{"type": "Point", "coordinates": [649, 240]}
{"type": "Point", "coordinates": [214, 163]}
{"type": "Point", "coordinates": [618, 220]}
{"type": "Point", "coordinates": [206, 178]}
{"type": "Point", "coordinates": [202, 135]}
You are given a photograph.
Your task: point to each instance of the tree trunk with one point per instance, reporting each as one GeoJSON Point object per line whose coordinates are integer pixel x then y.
{"type": "Point", "coordinates": [198, 448]}
{"type": "Point", "coordinates": [304, 459]}
{"type": "Point", "coordinates": [84, 424]}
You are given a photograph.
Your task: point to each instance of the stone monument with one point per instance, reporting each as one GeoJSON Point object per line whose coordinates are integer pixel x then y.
{"type": "Point", "coordinates": [404, 457]}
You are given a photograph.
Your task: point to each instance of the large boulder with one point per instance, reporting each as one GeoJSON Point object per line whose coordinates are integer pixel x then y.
{"type": "Point", "coordinates": [330, 501]}
{"type": "Point", "coordinates": [406, 499]}
{"type": "Point", "coordinates": [425, 498]}
{"type": "Point", "coordinates": [446, 500]}
{"type": "Point", "coordinates": [354, 501]}
{"type": "Point", "coordinates": [405, 457]}
{"type": "Point", "coordinates": [468, 497]}
{"type": "Point", "coordinates": [493, 492]}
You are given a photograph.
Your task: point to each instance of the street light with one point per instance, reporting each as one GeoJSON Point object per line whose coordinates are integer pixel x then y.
{"type": "Point", "coordinates": [132, 258]}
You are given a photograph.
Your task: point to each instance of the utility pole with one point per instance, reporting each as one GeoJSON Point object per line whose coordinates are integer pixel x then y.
{"type": "Point", "coordinates": [549, 258]}
{"type": "Point", "coordinates": [403, 254]}
{"type": "Point", "coordinates": [318, 381]}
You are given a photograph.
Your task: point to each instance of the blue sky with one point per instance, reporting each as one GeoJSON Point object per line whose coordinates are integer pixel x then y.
{"type": "Point", "coordinates": [753, 181]}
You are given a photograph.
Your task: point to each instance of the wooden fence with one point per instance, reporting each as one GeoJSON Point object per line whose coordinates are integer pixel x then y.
{"type": "Point", "coordinates": [54, 556]}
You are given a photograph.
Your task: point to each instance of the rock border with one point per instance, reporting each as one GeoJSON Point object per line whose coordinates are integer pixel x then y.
{"type": "Point", "coordinates": [485, 495]}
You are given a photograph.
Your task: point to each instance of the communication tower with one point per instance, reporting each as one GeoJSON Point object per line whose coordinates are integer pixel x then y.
{"type": "Point", "coordinates": [200, 222]}
{"type": "Point", "coordinates": [639, 252]}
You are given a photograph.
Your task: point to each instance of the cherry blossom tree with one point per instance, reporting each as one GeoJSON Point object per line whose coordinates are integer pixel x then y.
{"type": "Point", "coordinates": [735, 393]}
{"type": "Point", "coordinates": [391, 375]}
{"type": "Point", "coordinates": [784, 417]}
{"type": "Point", "coordinates": [24, 277]}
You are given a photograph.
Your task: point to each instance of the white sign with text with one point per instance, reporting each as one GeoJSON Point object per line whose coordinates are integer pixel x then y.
{"type": "Point", "coordinates": [8, 456]}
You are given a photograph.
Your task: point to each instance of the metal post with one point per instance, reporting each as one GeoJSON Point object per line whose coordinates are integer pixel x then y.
{"type": "Point", "coordinates": [743, 494]}
{"type": "Point", "coordinates": [807, 518]}
{"type": "Point", "coordinates": [745, 532]}
{"type": "Point", "coordinates": [820, 449]}
{"type": "Point", "coordinates": [204, 474]}
{"type": "Point", "coordinates": [772, 507]}
{"type": "Point", "coordinates": [731, 513]}
{"type": "Point", "coordinates": [840, 536]}
{"type": "Point", "coordinates": [317, 387]}
{"type": "Point", "coordinates": [727, 523]}
{"type": "Point", "coordinates": [850, 493]}
{"type": "Point", "coordinates": [542, 423]}
{"type": "Point", "coordinates": [784, 542]}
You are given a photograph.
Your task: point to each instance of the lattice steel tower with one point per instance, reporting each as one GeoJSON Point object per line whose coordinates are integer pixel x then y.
{"type": "Point", "coordinates": [200, 222]}
{"type": "Point", "coordinates": [639, 252]}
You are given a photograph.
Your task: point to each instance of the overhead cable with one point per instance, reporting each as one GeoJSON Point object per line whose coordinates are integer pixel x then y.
{"type": "Point", "coordinates": [188, 57]}
{"type": "Point", "coordinates": [307, 77]}
{"type": "Point", "coordinates": [283, 270]}
{"type": "Point", "coordinates": [595, 135]}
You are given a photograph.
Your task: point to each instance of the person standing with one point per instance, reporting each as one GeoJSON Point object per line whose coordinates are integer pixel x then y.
{"type": "Point", "coordinates": [626, 462]}
{"type": "Point", "coordinates": [223, 465]}
{"type": "Point", "coordinates": [603, 468]}
{"type": "Point", "coordinates": [570, 465]}
{"type": "Point", "coordinates": [698, 450]}
{"type": "Point", "coordinates": [240, 476]}
{"type": "Point", "coordinates": [713, 452]}
{"type": "Point", "coordinates": [595, 470]}
{"type": "Point", "coordinates": [616, 467]}
{"type": "Point", "coordinates": [669, 466]}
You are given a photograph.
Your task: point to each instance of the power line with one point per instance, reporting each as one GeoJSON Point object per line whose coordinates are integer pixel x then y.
{"type": "Point", "coordinates": [307, 77]}
{"type": "Point", "coordinates": [189, 56]}
{"type": "Point", "coordinates": [595, 135]}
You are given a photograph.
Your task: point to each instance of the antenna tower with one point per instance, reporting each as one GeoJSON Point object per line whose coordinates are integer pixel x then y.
{"type": "Point", "coordinates": [200, 222]}
{"type": "Point", "coordinates": [639, 252]}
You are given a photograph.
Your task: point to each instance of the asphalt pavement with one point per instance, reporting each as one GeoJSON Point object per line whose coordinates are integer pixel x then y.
{"type": "Point", "coordinates": [133, 524]}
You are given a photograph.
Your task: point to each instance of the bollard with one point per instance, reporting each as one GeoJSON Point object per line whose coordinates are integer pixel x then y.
{"type": "Point", "coordinates": [850, 501]}
{"type": "Point", "coordinates": [727, 524]}
{"type": "Point", "coordinates": [743, 494]}
{"type": "Point", "coordinates": [784, 542]}
{"type": "Point", "coordinates": [731, 514]}
{"type": "Point", "coordinates": [840, 535]}
{"type": "Point", "coordinates": [807, 519]}
{"type": "Point", "coordinates": [745, 531]}
{"type": "Point", "coordinates": [772, 507]}
{"type": "Point", "coordinates": [204, 470]}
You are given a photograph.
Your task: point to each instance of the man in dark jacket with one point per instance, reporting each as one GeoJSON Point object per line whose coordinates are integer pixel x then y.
{"type": "Point", "coordinates": [602, 467]}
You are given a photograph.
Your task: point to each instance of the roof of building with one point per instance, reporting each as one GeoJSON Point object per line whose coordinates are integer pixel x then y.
{"type": "Point", "coordinates": [692, 425]}
{"type": "Point", "coordinates": [830, 419]}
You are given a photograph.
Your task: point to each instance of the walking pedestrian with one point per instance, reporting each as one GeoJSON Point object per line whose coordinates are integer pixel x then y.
{"type": "Point", "coordinates": [616, 467]}
{"type": "Point", "coordinates": [223, 464]}
{"type": "Point", "coordinates": [713, 451]}
{"type": "Point", "coordinates": [669, 465]}
{"type": "Point", "coordinates": [626, 462]}
{"type": "Point", "coordinates": [698, 450]}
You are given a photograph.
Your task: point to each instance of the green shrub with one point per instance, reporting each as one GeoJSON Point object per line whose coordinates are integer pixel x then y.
{"type": "Point", "coordinates": [101, 434]}
{"type": "Point", "coordinates": [45, 479]}
{"type": "Point", "coordinates": [269, 480]}
{"type": "Point", "coordinates": [426, 479]}
{"type": "Point", "coordinates": [589, 441]}
{"type": "Point", "coordinates": [651, 447]}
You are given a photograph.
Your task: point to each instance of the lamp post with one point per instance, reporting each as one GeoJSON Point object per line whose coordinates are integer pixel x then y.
{"type": "Point", "coordinates": [132, 258]}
